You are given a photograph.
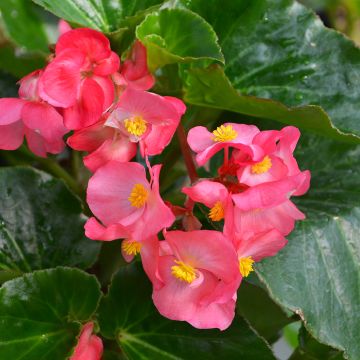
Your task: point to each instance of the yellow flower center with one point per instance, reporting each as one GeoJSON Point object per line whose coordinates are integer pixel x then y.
{"type": "Point", "coordinates": [135, 125]}
{"type": "Point", "coordinates": [138, 196]}
{"type": "Point", "coordinates": [246, 265]}
{"type": "Point", "coordinates": [224, 133]}
{"type": "Point", "coordinates": [216, 213]}
{"type": "Point", "coordinates": [130, 247]}
{"type": "Point", "coordinates": [262, 166]}
{"type": "Point", "coordinates": [183, 272]}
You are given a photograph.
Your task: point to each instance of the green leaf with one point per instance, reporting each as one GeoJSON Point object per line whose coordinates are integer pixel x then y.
{"type": "Point", "coordinates": [40, 313]}
{"type": "Point", "coordinates": [127, 314]}
{"type": "Point", "coordinates": [279, 50]}
{"type": "Point", "coordinates": [168, 42]}
{"type": "Point", "coordinates": [317, 275]}
{"type": "Point", "coordinates": [23, 25]}
{"type": "Point", "coordinates": [41, 223]}
{"type": "Point", "coordinates": [8, 86]}
{"type": "Point", "coordinates": [103, 15]}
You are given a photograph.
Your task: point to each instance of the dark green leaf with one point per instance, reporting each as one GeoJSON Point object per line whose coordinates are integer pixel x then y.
{"type": "Point", "coordinates": [40, 313]}
{"type": "Point", "coordinates": [317, 275]}
{"type": "Point", "coordinates": [8, 86]}
{"type": "Point", "coordinates": [168, 42]}
{"type": "Point", "coordinates": [104, 15]}
{"type": "Point", "coordinates": [127, 314]}
{"type": "Point", "coordinates": [279, 50]}
{"type": "Point", "coordinates": [23, 25]}
{"type": "Point", "coordinates": [41, 223]}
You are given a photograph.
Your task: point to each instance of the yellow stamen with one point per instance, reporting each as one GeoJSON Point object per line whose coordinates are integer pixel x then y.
{"type": "Point", "coordinates": [246, 265]}
{"type": "Point", "coordinates": [224, 133]}
{"type": "Point", "coordinates": [262, 166]}
{"type": "Point", "coordinates": [183, 272]}
{"type": "Point", "coordinates": [130, 247]}
{"type": "Point", "coordinates": [216, 213]}
{"type": "Point", "coordinates": [138, 196]}
{"type": "Point", "coordinates": [135, 125]}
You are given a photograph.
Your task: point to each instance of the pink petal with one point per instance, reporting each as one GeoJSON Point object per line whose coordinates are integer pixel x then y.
{"type": "Point", "coordinates": [90, 42]}
{"type": "Point", "coordinates": [89, 347]}
{"type": "Point", "coordinates": [177, 103]}
{"type": "Point", "coordinates": [108, 66]}
{"type": "Point", "coordinates": [207, 192]}
{"type": "Point", "coordinates": [10, 110]}
{"type": "Point", "coordinates": [199, 138]}
{"type": "Point", "coordinates": [29, 86]}
{"type": "Point", "coordinates": [63, 27]}
{"type": "Point", "coordinates": [109, 189]}
{"type": "Point", "coordinates": [11, 136]}
{"type": "Point", "coordinates": [89, 107]}
{"type": "Point", "coordinates": [107, 86]}
{"type": "Point", "coordinates": [95, 231]}
{"type": "Point", "coordinates": [120, 149]}
{"type": "Point", "coordinates": [36, 142]}
{"type": "Point", "coordinates": [59, 85]}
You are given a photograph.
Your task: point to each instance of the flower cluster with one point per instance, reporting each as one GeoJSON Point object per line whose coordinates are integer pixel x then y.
{"type": "Point", "coordinates": [195, 272]}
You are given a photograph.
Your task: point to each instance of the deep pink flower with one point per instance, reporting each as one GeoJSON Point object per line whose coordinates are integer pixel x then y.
{"type": "Point", "coordinates": [197, 278]}
{"type": "Point", "coordinates": [207, 144]}
{"type": "Point", "coordinates": [134, 71]}
{"type": "Point", "coordinates": [146, 118]}
{"type": "Point", "coordinates": [78, 79]}
{"type": "Point", "coordinates": [121, 197]}
{"type": "Point", "coordinates": [89, 347]}
{"type": "Point", "coordinates": [41, 124]}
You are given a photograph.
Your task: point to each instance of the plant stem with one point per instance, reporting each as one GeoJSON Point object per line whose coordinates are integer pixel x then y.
{"type": "Point", "coordinates": [185, 150]}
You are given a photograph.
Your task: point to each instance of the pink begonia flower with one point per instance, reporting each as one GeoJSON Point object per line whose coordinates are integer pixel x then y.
{"type": "Point", "coordinates": [63, 27]}
{"type": "Point", "coordinates": [78, 79]}
{"type": "Point", "coordinates": [41, 124]}
{"type": "Point", "coordinates": [267, 206]}
{"type": "Point", "coordinates": [213, 195]}
{"type": "Point", "coordinates": [147, 118]}
{"type": "Point", "coordinates": [134, 71]}
{"type": "Point", "coordinates": [278, 161]}
{"type": "Point", "coordinates": [206, 144]}
{"type": "Point", "coordinates": [198, 278]}
{"type": "Point", "coordinates": [89, 346]}
{"type": "Point", "coordinates": [103, 143]}
{"type": "Point", "coordinates": [121, 197]}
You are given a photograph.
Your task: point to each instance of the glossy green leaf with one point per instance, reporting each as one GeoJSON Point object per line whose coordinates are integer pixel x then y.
{"type": "Point", "coordinates": [127, 314]}
{"type": "Point", "coordinates": [23, 25]}
{"type": "Point", "coordinates": [41, 313]}
{"type": "Point", "coordinates": [317, 275]}
{"type": "Point", "coordinates": [41, 223]}
{"type": "Point", "coordinates": [168, 42]}
{"type": "Point", "coordinates": [104, 15]}
{"type": "Point", "coordinates": [279, 50]}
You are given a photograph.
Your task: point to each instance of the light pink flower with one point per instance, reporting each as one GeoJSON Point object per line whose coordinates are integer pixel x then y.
{"type": "Point", "coordinates": [78, 79]}
{"type": "Point", "coordinates": [197, 278]}
{"type": "Point", "coordinates": [41, 124]}
{"type": "Point", "coordinates": [206, 144]}
{"type": "Point", "coordinates": [146, 118]}
{"type": "Point", "coordinates": [121, 197]}
{"type": "Point", "coordinates": [134, 71]}
{"type": "Point", "coordinates": [89, 347]}
{"type": "Point", "coordinates": [63, 27]}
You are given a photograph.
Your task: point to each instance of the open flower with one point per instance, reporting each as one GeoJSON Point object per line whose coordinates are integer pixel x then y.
{"type": "Point", "coordinates": [199, 277]}
{"type": "Point", "coordinates": [78, 79]}
{"type": "Point", "coordinates": [121, 197]}
{"type": "Point", "coordinates": [146, 118]}
{"type": "Point", "coordinates": [206, 144]}
{"type": "Point", "coordinates": [89, 347]}
{"type": "Point", "coordinates": [31, 117]}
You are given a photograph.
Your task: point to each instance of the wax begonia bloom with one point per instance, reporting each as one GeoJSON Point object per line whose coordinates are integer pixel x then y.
{"type": "Point", "coordinates": [89, 346]}
{"type": "Point", "coordinates": [78, 79]}
{"type": "Point", "coordinates": [134, 71]}
{"type": "Point", "coordinates": [278, 161]}
{"type": "Point", "coordinates": [33, 118]}
{"type": "Point", "coordinates": [146, 118]}
{"type": "Point", "coordinates": [103, 143]}
{"type": "Point", "coordinates": [120, 196]}
{"type": "Point", "coordinates": [199, 279]}
{"type": "Point", "coordinates": [267, 206]}
{"type": "Point", "coordinates": [212, 194]}
{"type": "Point", "coordinates": [206, 144]}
